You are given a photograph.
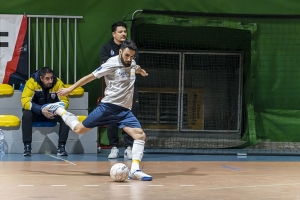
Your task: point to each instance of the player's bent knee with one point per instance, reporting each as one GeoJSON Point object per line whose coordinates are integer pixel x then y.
{"type": "Point", "coordinates": [135, 133]}
{"type": "Point", "coordinates": [80, 129]}
{"type": "Point", "coordinates": [141, 136]}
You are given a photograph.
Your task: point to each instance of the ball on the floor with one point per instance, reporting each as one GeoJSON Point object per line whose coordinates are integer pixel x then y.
{"type": "Point", "coordinates": [119, 172]}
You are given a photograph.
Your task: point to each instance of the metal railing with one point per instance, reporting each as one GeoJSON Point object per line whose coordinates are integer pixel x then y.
{"type": "Point", "coordinates": [52, 19]}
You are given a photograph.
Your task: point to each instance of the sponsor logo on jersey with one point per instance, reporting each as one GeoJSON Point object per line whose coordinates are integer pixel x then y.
{"type": "Point", "coordinates": [123, 74]}
{"type": "Point", "coordinates": [112, 52]}
{"type": "Point", "coordinates": [99, 68]}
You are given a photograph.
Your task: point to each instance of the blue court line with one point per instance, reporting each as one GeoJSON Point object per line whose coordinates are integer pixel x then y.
{"type": "Point", "coordinates": [232, 168]}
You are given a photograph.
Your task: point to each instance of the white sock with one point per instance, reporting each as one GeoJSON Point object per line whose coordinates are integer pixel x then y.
{"type": "Point", "coordinates": [70, 119]}
{"type": "Point", "coordinates": [60, 111]}
{"type": "Point", "coordinates": [137, 154]}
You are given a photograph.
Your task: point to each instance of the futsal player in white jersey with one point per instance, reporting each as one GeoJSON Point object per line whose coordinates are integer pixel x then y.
{"type": "Point", "coordinates": [119, 73]}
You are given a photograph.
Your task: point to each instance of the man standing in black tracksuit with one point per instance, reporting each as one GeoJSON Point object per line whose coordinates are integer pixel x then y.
{"type": "Point", "coordinates": [108, 50]}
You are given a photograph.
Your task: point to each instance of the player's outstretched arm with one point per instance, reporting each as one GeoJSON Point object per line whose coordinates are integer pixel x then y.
{"type": "Point", "coordinates": [84, 80]}
{"type": "Point", "coordinates": [141, 71]}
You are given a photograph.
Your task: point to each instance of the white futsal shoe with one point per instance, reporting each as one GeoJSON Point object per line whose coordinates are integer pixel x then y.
{"type": "Point", "coordinates": [139, 175]}
{"type": "Point", "coordinates": [114, 153]}
{"type": "Point", "coordinates": [52, 107]}
{"type": "Point", "coordinates": [128, 153]}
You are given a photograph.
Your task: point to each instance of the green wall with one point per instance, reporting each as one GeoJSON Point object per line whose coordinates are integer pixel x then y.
{"type": "Point", "coordinates": [275, 118]}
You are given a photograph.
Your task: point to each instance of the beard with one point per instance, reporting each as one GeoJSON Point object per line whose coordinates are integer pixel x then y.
{"type": "Point", "coordinates": [126, 64]}
{"type": "Point", "coordinates": [47, 86]}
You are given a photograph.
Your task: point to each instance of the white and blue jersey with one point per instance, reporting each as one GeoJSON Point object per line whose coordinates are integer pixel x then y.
{"type": "Point", "coordinates": [116, 104]}
{"type": "Point", "coordinates": [119, 81]}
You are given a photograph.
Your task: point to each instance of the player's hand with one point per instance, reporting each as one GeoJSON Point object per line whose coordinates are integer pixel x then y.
{"type": "Point", "coordinates": [143, 72]}
{"type": "Point", "coordinates": [63, 91]}
{"type": "Point", "coordinates": [47, 114]}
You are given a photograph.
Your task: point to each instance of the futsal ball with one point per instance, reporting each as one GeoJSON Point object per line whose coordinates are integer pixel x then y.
{"type": "Point", "coordinates": [119, 172]}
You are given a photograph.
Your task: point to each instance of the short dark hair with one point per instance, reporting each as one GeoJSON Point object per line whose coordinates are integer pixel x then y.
{"type": "Point", "coordinates": [128, 44]}
{"type": "Point", "coordinates": [116, 24]}
{"type": "Point", "coordinates": [44, 71]}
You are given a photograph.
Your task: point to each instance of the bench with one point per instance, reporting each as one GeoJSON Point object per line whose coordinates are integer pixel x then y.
{"type": "Point", "coordinates": [45, 136]}
{"type": "Point", "coordinates": [8, 120]}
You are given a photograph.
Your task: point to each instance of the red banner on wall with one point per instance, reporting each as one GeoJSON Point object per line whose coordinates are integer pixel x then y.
{"type": "Point", "coordinates": [13, 49]}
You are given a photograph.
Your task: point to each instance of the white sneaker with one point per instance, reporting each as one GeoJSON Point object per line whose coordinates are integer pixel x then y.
{"type": "Point", "coordinates": [128, 153]}
{"type": "Point", "coordinates": [52, 107]}
{"type": "Point", "coordinates": [139, 175]}
{"type": "Point", "coordinates": [114, 153]}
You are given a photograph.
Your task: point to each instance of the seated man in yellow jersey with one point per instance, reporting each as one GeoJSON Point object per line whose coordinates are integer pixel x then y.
{"type": "Point", "coordinates": [41, 89]}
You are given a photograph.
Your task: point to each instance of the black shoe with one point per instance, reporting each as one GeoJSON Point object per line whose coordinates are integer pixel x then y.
{"type": "Point", "coordinates": [61, 151]}
{"type": "Point", "coordinates": [27, 150]}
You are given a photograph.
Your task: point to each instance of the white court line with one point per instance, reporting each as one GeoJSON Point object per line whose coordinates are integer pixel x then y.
{"type": "Point", "coordinates": [91, 185]}
{"type": "Point", "coordinates": [59, 158]}
{"type": "Point", "coordinates": [156, 185]}
{"type": "Point", "coordinates": [58, 185]}
{"type": "Point", "coordinates": [26, 185]}
{"type": "Point", "coordinates": [187, 185]}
